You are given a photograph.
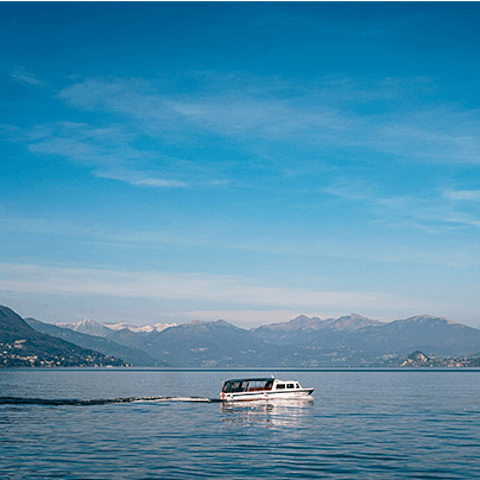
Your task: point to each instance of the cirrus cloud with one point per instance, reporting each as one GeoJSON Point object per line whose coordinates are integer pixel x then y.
{"type": "Point", "coordinates": [221, 289]}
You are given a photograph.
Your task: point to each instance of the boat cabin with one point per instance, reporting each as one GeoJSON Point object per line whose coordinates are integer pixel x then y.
{"type": "Point", "coordinates": [258, 385]}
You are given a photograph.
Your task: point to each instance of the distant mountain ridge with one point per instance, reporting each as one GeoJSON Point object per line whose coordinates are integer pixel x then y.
{"type": "Point", "coordinates": [104, 329]}
{"type": "Point", "coordinates": [350, 340]}
{"type": "Point", "coordinates": [132, 356]}
{"type": "Point", "coordinates": [352, 322]}
{"type": "Point", "coordinates": [304, 341]}
{"type": "Point", "coordinates": [426, 333]}
{"type": "Point", "coordinates": [302, 328]}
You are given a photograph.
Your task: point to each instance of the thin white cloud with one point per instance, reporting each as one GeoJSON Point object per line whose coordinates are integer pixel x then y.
{"type": "Point", "coordinates": [247, 108]}
{"type": "Point", "coordinates": [434, 211]}
{"type": "Point", "coordinates": [221, 289]}
{"type": "Point", "coordinates": [224, 112]}
{"type": "Point", "coordinates": [469, 195]}
{"type": "Point", "coordinates": [22, 75]}
{"type": "Point", "coordinates": [213, 238]}
{"type": "Point", "coordinates": [431, 211]}
{"type": "Point", "coordinates": [91, 92]}
{"type": "Point", "coordinates": [107, 150]}
{"type": "Point", "coordinates": [349, 189]}
{"type": "Point", "coordinates": [438, 134]}
{"type": "Point", "coordinates": [325, 112]}
{"type": "Point", "coordinates": [141, 179]}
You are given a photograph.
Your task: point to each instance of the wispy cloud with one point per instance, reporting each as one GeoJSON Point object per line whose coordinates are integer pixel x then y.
{"type": "Point", "coordinates": [442, 135]}
{"type": "Point", "coordinates": [332, 111]}
{"type": "Point", "coordinates": [433, 211]}
{"type": "Point", "coordinates": [220, 289]}
{"type": "Point", "coordinates": [460, 195]}
{"type": "Point", "coordinates": [22, 75]}
{"type": "Point", "coordinates": [108, 151]}
{"type": "Point", "coordinates": [349, 189]}
{"type": "Point", "coordinates": [226, 112]}
{"type": "Point", "coordinates": [82, 143]}
{"type": "Point", "coordinates": [146, 118]}
{"type": "Point", "coordinates": [212, 238]}
{"type": "Point", "coordinates": [141, 179]}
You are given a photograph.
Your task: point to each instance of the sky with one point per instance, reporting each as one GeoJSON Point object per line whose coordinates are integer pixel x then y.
{"type": "Point", "coordinates": [240, 161]}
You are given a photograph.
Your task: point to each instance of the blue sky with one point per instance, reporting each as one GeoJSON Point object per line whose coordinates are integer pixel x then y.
{"type": "Point", "coordinates": [245, 161]}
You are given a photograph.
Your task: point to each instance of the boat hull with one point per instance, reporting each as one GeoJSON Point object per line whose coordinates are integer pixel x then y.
{"type": "Point", "coordinates": [266, 395]}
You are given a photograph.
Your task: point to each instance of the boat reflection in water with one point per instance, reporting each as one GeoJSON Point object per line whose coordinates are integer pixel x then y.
{"type": "Point", "coordinates": [269, 413]}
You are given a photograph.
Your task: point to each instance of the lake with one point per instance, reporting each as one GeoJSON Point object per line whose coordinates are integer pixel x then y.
{"type": "Point", "coordinates": [362, 424]}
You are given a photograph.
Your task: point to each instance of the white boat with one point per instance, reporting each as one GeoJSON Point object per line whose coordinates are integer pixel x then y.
{"type": "Point", "coordinates": [261, 389]}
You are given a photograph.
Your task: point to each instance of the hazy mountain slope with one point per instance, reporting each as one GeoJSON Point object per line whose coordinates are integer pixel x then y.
{"type": "Point", "coordinates": [426, 333]}
{"type": "Point", "coordinates": [303, 329]}
{"type": "Point", "coordinates": [107, 347]}
{"type": "Point", "coordinates": [209, 344]}
{"type": "Point", "coordinates": [24, 346]}
{"type": "Point", "coordinates": [138, 340]}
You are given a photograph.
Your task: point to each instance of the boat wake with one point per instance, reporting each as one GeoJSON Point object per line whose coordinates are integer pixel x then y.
{"type": "Point", "coordinates": [98, 401]}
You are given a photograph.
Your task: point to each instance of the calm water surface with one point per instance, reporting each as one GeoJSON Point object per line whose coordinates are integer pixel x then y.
{"type": "Point", "coordinates": [360, 425]}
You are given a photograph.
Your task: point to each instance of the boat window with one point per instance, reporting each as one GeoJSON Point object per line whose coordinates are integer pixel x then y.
{"type": "Point", "coordinates": [290, 385]}
{"type": "Point", "coordinates": [257, 385]}
{"type": "Point", "coordinates": [298, 385]}
{"type": "Point", "coordinates": [232, 387]}
{"type": "Point", "coordinates": [280, 385]}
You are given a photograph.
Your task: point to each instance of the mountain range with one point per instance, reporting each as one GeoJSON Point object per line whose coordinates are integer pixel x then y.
{"type": "Point", "coordinates": [104, 329]}
{"type": "Point", "coordinates": [23, 346]}
{"type": "Point", "coordinates": [351, 340]}
{"type": "Point", "coordinates": [100, 344]}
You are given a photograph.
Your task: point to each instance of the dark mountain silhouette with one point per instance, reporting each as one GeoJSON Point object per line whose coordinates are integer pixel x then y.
{"type": "Point", "coordinates": [21, 345]}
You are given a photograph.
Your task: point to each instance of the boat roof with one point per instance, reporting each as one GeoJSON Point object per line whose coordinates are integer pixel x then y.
{"type": "Point", "coordinates": [250, 379]}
